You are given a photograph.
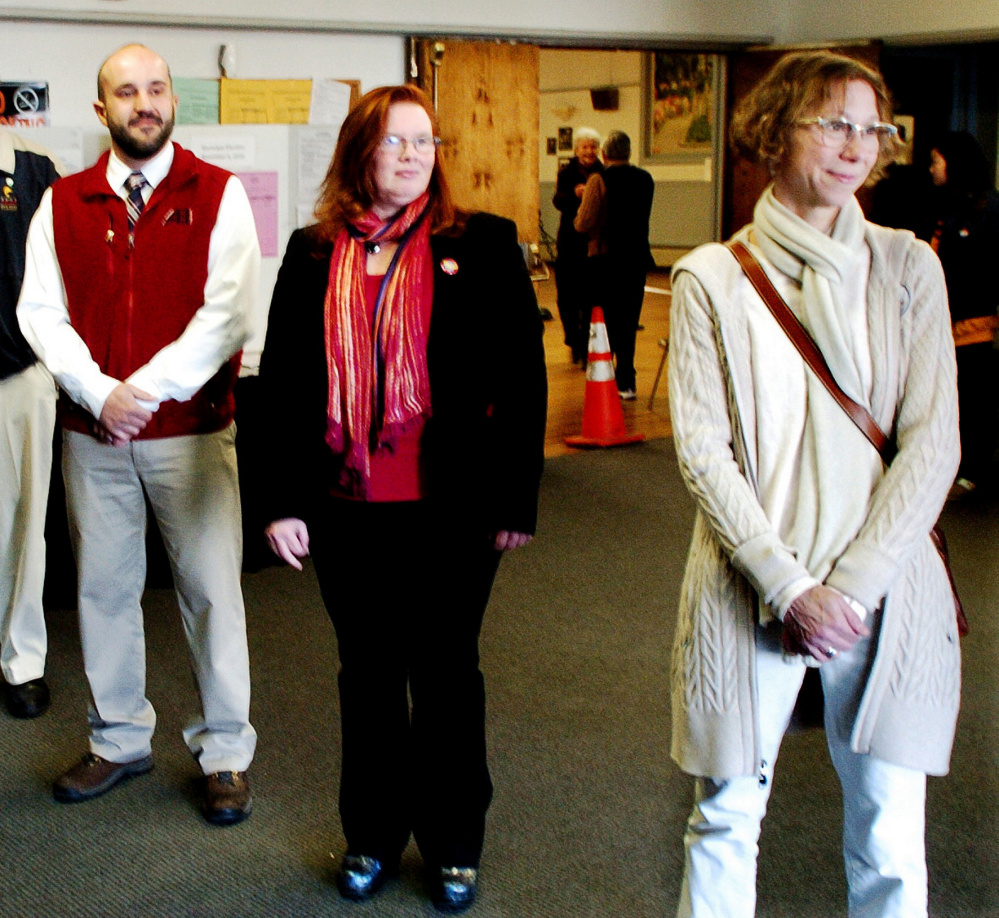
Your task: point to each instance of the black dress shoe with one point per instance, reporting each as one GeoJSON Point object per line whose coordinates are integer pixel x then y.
{"type": "Point", "coordinates": [454, 888]}
{"type": "Point", "coordinates": [29, 699]}
{"type": "Point", "coordinates": [359, 877]}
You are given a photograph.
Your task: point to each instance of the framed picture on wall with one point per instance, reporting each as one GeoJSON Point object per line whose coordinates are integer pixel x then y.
{"type": "Point", "coordinates": [680, 106]}
{"type": "Point", "coordinates": [565, 138]}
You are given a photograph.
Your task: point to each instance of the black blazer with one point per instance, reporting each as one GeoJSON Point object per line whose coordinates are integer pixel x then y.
{"type": "Point", "coordinates": [570, 243]}
{"type": "Point", "coordinates": [626, 219]}
{"type": "Point", "coordinates": [483, 448]}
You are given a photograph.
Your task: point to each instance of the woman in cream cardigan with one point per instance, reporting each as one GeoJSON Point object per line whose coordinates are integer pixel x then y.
{"type": "Point", "coordinates": [806, 549]}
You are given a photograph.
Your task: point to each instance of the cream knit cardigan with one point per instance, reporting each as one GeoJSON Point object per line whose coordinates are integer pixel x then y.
{"type": "Point", "coordinates": [909, 708]}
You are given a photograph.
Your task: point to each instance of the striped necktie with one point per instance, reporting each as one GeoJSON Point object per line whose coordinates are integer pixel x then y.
{"type": "Point", "coordinates": [134, 202]}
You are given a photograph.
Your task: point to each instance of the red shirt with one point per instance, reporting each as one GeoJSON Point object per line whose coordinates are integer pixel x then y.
{"type": "Point", "coordinates": [396, 474]}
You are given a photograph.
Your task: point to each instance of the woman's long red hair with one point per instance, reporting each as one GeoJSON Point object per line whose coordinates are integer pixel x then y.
{"type": "Point", "coordinates": [349, 187]}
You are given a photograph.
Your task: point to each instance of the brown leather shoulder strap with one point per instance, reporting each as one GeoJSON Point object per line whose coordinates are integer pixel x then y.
{"type": "Point", "coordinates": [809, 350]}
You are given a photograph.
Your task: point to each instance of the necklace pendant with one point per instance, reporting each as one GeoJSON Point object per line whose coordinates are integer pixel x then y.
{"type": "Point", "coordinates": [372, 248]}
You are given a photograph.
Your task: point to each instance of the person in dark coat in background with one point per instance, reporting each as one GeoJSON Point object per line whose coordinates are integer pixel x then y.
{"type": "Point", "coordinates": [615, 212]}
{"type": "Point", "coordinates": [575, 297]}
{"type": "Point", "coordinates": [963, 229]}
{"type": "Point", "coordinates": [406, 466]}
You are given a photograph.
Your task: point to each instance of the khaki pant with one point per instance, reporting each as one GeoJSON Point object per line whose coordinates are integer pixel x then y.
{"type": "Point", "coordinates": [192, 486]}
{"type": "Point", "coordinates": [27, 420]}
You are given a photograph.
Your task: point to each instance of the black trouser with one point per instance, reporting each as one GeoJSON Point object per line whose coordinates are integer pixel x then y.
{"type": "Point", "coordinates": [620, 284]}
{"type": "Point", "coordinates": [406, 590]}
{"type": "Point", "coordinates": [976, 392]}
{"type": "Point", "coordinates": [575, 298]}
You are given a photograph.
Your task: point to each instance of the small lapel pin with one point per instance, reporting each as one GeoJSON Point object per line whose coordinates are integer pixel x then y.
{"type": "Point", "coordinates": [449, 266]}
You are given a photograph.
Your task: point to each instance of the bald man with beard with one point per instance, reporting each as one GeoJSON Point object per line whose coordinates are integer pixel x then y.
{"type": "Point", "coordinates": [138, 291]}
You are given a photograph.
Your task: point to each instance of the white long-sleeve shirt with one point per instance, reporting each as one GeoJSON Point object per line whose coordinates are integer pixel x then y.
{"type": "Point", "coordinates": [219, 328]}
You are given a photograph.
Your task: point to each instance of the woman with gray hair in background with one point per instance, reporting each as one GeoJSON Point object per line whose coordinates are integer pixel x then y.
{"type": "Point", "coordinates": [809, 550]}
{"type": "Point", "coordinates": [571, 280]}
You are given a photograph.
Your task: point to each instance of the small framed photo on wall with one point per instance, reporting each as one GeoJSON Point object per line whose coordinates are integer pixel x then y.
{"type": "Point", "coordinates": [565, 138]}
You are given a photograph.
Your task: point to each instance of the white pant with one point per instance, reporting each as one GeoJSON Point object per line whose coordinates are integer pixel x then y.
{"type": "Point", "coordinates": [884, 805]}
{"type": "Point", "coordinates": [27, 421]}
{"type": "Point", "coordinates": [193, 488]}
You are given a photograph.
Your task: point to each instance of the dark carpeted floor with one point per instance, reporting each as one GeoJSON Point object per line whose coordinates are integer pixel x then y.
{"type": "Point", "coordinates": [589, 811]}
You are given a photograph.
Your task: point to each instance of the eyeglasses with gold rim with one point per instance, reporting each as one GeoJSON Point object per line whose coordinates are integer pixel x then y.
{"type": "Point", "coordinates": [395, 143]}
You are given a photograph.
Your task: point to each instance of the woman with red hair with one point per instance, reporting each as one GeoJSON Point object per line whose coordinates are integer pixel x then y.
{"type": "Point", "coordinates": [405, 469]}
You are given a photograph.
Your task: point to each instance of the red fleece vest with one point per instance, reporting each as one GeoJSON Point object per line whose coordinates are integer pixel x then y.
{"type": "Point", "coordinates": [128, 303]}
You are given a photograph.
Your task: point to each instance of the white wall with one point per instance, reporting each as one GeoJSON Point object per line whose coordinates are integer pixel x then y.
{"type": "Point", "coordinates": [631, 19]}
{"type": "Point", "coordinates": [627, 21]}
{"type": "Point", "coordinates": [922, 21]}
{"type": "Point", "coordinates": [67, 56]}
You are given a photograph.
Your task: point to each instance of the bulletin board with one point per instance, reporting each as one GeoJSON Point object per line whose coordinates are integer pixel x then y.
{"type": "Point", "coordinates": [281, 167]}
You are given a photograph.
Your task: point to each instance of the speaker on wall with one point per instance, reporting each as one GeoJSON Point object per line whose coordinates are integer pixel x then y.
{"type": "Point", "coordinates": [606, 99]}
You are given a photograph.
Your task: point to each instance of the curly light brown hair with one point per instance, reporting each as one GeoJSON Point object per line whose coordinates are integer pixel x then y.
{"type": "Point", "coordinates": [349, 187]}
{"type": "Point", "coordinates": [795, 88]}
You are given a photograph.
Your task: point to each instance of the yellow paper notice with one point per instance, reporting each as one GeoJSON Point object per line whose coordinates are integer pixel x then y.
{"type": "Point", "coordinates": [264, 101]}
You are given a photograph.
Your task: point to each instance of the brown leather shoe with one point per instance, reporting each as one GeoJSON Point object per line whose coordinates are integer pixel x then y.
{"type": "Point", "coordinates": [93, 776]}
{"type": "Point", "coordinates": [227, 798]}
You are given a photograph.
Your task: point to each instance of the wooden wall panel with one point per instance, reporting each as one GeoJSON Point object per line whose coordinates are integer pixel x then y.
{"type": "Point", "coordinates": [487, 102]}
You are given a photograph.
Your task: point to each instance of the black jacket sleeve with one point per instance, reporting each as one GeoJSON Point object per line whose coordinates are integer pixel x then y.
{"type": "Point", "coordinates": [565, 187]}
{"type": "Point", "coordinates": [294, 383]}
{"type": "Point", "coordinates": [485, 443]}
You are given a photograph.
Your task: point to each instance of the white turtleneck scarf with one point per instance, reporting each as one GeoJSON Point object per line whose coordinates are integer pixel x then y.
{"type": "Point", "coordinates": [815, 470]}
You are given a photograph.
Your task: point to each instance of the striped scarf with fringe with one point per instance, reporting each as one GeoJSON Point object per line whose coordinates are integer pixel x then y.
{"type": "Point", "coordinates": [378, 381]}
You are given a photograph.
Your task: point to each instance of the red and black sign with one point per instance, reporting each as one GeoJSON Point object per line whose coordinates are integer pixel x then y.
{"type": "Point", "coordinates": [24, 104]}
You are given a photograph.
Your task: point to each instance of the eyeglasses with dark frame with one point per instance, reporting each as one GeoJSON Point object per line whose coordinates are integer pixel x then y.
{"type": "Point", "coordinates": [395, 143]}
{"type": "Point", "coordinates": [838, 132]}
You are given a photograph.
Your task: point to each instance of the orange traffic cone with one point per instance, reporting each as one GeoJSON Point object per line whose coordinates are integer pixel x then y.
{"type": "Point", "coordinates": [603, 419]}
